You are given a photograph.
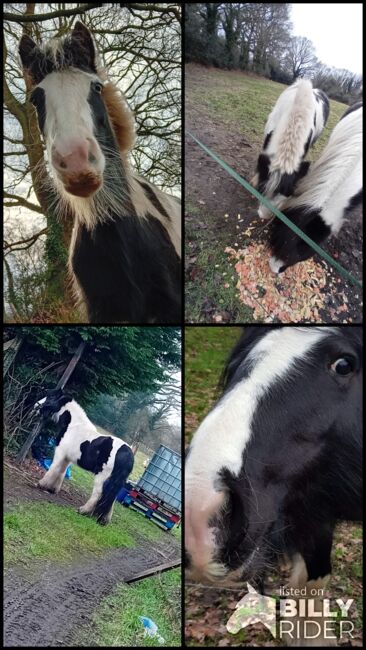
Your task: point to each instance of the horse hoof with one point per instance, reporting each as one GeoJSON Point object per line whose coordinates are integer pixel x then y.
{"type": "Point", "coordinates": [47, 489]}
{"type": "Point", "coordinates": [102, 521]}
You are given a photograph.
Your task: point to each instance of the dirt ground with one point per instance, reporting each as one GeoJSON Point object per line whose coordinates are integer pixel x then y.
{"type": "Point", "coordinates": [47, 604]}
{"type": "Point", "coordinates": [23, 487]}
{"type": "Point", "coordinates": [208, 609]}
{"type": "Point", "coordinates": [210, 187]}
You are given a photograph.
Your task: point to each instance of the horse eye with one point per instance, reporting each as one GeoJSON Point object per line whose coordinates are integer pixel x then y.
{"type": "Point", "coordinates": [98, 88]}
{"type": "Point", "coordinates": [343, 366]}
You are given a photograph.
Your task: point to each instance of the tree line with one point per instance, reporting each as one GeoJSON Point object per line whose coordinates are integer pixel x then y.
{"type": "Point", "coordinates": [256, 37]}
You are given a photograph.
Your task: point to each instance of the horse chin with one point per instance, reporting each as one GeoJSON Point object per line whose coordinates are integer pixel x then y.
{"type": "Point", "coordinates": [84, 186]}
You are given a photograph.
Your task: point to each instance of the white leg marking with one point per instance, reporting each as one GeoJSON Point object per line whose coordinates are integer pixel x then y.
{"type": "Point", "coordinates": [88, 507]}
{"type": "Point", "coordinates": [54, 477]}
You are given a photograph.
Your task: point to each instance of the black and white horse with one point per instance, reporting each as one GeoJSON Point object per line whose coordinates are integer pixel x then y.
{"type": "Point", "coordinates": [295, 123]}
{"type": "Point", "coordinates": [323, 199]}
{"type": "Point", "coordinates": [125, 248]}
{"type": "Point", "coordinates": [78, 441]}
{"type": "Point", "coordinates": [277, 461]}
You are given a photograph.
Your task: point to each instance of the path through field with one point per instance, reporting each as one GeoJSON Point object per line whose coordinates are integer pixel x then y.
{"type": "Point", "coordinates": [46, 604]}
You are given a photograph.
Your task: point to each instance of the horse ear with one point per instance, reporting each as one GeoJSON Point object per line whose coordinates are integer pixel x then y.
{"type": "Point", "coordinates": [81, 38]}
{"type": "Point", "coordinates": [27, 47]}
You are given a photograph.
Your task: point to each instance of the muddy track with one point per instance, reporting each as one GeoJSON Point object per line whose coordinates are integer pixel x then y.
{"type": "Point", "coordinates": [49, 609]}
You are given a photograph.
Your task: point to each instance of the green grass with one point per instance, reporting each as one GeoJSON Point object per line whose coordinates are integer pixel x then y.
{"type": "Point", "coordinates": [206, 350]}
{"type": "Point", "coordinates": [214, 272]}
{"type": "Point", "coordinates": [115, 622]}
{"type": "Point", "coordinates": [81, 479]}
{"type": "Point", "coordinates": [138, 468]}
{"type": "Point", "coordinates": [244, 101]}
{"type": "Point", "coordinates": [37, 530]}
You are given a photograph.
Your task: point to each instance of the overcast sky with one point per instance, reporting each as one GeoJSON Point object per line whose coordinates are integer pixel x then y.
{"type": "Point", "coordinates": [334, 29]}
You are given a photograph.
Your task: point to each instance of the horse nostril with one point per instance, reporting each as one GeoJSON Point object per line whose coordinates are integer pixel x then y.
{"type": "Point", "coordinates": [91, 158]}
{"type": "Point", "coordinates": [63, 165]}
{"type": "Point", "coordinates": [187, 560]}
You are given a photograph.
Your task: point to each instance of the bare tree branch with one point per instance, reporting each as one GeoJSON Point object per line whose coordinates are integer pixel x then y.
{"type": "Point", "coordinates": [24, 241]}
{"type": "Point", "coordinates": [25, 18]}
{"type": "Point", "coordinates": [18, 200]}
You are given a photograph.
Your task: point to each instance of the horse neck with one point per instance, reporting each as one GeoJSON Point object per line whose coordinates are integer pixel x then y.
{"type": "Point", "coordinates": [79, 419]}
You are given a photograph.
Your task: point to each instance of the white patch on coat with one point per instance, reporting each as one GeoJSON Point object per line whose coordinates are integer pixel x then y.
{"type": "Point", "coordinates": [336, 175]}
{"type": "Point", "coordinates": [291, 121]}
{"type": "Point", "coordinates": [79, 430]}
{"type": "Point", "coordinates": [225, 432]}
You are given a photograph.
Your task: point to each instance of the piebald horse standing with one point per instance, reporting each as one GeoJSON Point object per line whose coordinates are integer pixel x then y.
{"type": "Point", "coordinates": [78, 441]}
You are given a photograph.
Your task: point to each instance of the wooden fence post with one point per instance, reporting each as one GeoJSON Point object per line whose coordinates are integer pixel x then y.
{"type": "Point", "coordinates": [61, 384]}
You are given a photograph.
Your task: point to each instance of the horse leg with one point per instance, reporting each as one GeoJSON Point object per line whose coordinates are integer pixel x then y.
{"type": "Point", "coordinates": [123, 464]}
{"type": "Point", "coordinates": [254, 181]}
{"type": "Point", "coordinates": [88, 507]}
{"type": "Point", "coordinates": [54, 477]}
{"type": "Point", "coordinates": [311, 573]}
{"type": "Point", "coordinates": [106, 518]}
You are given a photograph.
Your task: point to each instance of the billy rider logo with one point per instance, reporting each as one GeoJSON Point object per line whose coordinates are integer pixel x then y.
{"type": "Point", "coordinates": [299, 618]}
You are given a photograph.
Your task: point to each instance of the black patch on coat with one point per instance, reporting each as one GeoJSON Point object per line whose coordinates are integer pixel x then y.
{"type": "Point", "coordinates": [286, 184]}
{"type": "Point", "coordinates": [187, 560]}
{"type": "Point", "coordinates": [154, 199]}
{"type": "Point", "coordinates": [263, 165]}
{"type": "Point", "coordinates": [320, 96]}
{"type": "Point", "coordinates": [289, 247]}
{"type": "Point", "coordinates": [308, 141]}
{"type": "Point", "coordinates": [267, 140]}
{"type": "Point", "coordinates": [56, 399]}
{"type": "Point", "coordinates": [95, 453]}
{"type": "Point", "coordinates": [354, 201]}
{"type": "Point", "coordinates": [62, 425]}
{"type": "Point", "coordinates": [351, 109]}
{"type": "Point", "coordinates": [123, 465]}
{"type": "Point", "coordinates": [37, 98]}
{"type": "Point", "coordinates": [129, 271]}
{"type": "Point", "coordinates": [288, 181]}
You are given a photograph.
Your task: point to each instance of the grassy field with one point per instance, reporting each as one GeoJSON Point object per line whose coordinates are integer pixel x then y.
{"type": "Point", "coordinates": [36, 530]}
{"type": "Point", "coordinates": [245, 101]}
{"type": "Point", "coordinates": [157, 598]}
{"type": "Point", "coordinates": [206, 349]}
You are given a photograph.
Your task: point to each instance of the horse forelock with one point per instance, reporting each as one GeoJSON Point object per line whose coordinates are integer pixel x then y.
{"type": "Point", "coordinates": [60, 54]}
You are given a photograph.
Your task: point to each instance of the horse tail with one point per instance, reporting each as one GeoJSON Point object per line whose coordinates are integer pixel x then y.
{"type": "Point", "coordinates": [123, 464]}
